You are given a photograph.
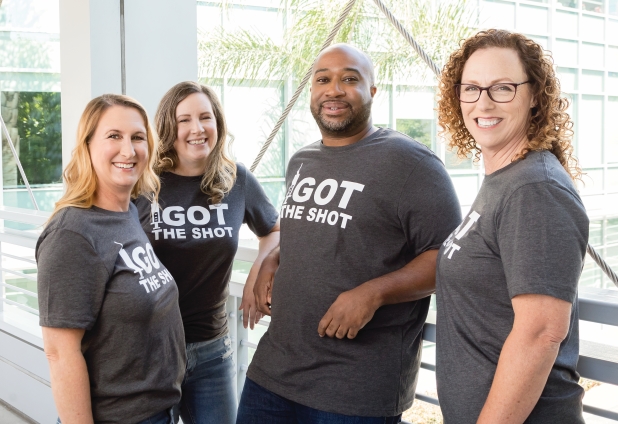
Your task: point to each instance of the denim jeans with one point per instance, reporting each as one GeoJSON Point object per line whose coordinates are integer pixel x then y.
{"type": "Point", "coordinates": [163, 417]}
{"type": "Point", "coordinates": [208, 395]}
{"type": "Point", "coordinates": [261, 406]}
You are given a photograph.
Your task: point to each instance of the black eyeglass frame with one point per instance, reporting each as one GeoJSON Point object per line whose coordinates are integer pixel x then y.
{"type": "Point", "coordinates": [457, 88]}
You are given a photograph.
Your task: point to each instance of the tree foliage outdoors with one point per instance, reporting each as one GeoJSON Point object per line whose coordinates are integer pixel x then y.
{"type": "Point", "coordinates": [246, 55]}
{"type": "Point", "coordinates": [40, 131]}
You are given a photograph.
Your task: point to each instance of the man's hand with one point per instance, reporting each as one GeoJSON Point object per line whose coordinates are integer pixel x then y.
{"type": "Point", "coordinates": [351, 311]}
{"type": "Point", "coordinates": [250, 314]}
{"type": "Point", "coordinates": [264, 282]}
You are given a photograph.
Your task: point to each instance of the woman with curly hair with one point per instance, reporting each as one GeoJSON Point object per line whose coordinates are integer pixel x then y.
{"type": "Point", "coordinates": [507, 335]}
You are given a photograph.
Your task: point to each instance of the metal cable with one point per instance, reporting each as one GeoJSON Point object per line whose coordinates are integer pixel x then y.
{"type": "Point", "coordinates": [602, 264]}
{"type": "Point", "coordinates": [419, 50]}
{"type": "Point", "coordinates": [21, 170]}
{"type": "Point", "coordinates": [342, 17]}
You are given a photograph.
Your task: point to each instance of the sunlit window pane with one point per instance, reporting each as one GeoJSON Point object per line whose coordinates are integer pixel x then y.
{"type": "Point", "coordinates": [612, 58]}
{"type": "Point", "coordinates": [568, 79]}
{"type": "Point", "coordinates": [565, 24]}
{"type": "Point", "coordinates": [497, 14]}
{"type": "Point", "coordinates": [532, 19]}
{"type": "Point", "coordinates": [565, 52]}
{"type": "Point", "coordinates": [592, 81]}
{"type": "Point", "coordinates": [592, 55]}
{"type": "Point", "coordinates": [466, 187]}
{"type": "Point", "coordinates": [611, 131]}
{"type": "Point", "coordinates": [593, 28]}
{"type": "Point", "coordinates": [590, 130]}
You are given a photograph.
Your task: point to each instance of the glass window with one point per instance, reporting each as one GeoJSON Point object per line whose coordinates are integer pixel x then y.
{"type": "Point", "coordinates": [208, 17]}
{"type": "Point", "coordinates": [612, 180]}
{"type": "Point", "coordinates": [612, 83]}
{"type": "Point", "coordinates": [565, 52]}
{"type": "Point", "coordinates": [532, 19]}
{"type": "Point", "coordinates": [612, 8]}
{"type": "Point", "coordinates": [611, 231]}
{"type": "Point", "coordinates": [592, 81]}
{"type": "Point", "coordinates": [590, 132]}
{"type": "Point", "coordinates": [30, 107]}
{"type": "Point", "coordinates": [420, 130]}
{"type": "Point", "coordinates": [611, 132]}
{"type": "Point", "coordinates": [568, 3]}
{"type": "Point", "coordinates": [593, 6]}
{"type": "Point", "coordinates": [251, 114]}
{"type": "Point", "coordinates": [568, 79]}
{"type": "Point", "coordinates": [497, 14]}
{"type": "Point", "coordinates": [380, 110]}
{"type": "Point", "coordinates": [592, 55]}
{"type": "Point", "coordinates": [612, 58]}
{"type": "Point", "coordinates": [592, 182]}
{"type": "Point", "coordinates": [452, 161]}
{"type": "Point", "coordinates": [466, 187]}
{"type": "Point", "coordinates": [565, 24]}
{"type": "Point", "coordinates": [303, 129]}
{"type": "Point", "coordinates": [593, 28]}
{"type": "Point", "coordinates": [612, 29]}
{"type": "Point", "coordinates": [542, 41]}
{"type": "Point", "coordinates": [267, 22]}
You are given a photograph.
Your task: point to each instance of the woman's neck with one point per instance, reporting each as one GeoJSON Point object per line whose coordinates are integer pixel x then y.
{"type": "Point", "coordinates": [493, 161]}
{"type": "Point", "coordinates": [115, 202]}
{"type": "Point", "coordinates": [189, 169]}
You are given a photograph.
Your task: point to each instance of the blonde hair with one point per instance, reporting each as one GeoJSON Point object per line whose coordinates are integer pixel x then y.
{"type": "Point", "coordinates": [550, 127]}
{"type": "Point", "coordinates": [220, 170]}
{"type": "Point", "coordinates": [79, 175]}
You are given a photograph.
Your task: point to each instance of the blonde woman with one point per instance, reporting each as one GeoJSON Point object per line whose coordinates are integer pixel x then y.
{"type": "Point", "coordinates": [112, 330]}
{"type": "Point", "coordinates": [507, 335]}
{"type": "Point", "coordinates": [205, 198]}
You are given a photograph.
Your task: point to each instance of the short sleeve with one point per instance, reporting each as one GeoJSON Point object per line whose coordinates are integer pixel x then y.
{"type": "Point", "coordinates": [71, 281]}
{"type": "Point", "coordinates": [542, 236]}
{"type": "Point", "coordinates": [260, 214]}
{"type": "Point", "coordinates": [428, 207]}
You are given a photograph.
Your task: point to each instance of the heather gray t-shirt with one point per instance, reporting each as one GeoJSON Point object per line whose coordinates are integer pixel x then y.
{"type": "Point", "coordinates": [526, 233]}
{"type": "Point", "coordinates": [352, 214]}
{"type": "Point", "coordinates": [98, 272]}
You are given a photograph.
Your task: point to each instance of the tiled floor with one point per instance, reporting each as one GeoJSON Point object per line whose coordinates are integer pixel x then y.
{"type": "Point", "coordinates": [8, 417]}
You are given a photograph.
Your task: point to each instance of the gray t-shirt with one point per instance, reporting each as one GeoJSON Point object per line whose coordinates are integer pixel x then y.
{"type": "Point", "coordinates": [526, 233]}
{"type": "Point", "coordinates": [98, 272]}
{"type": "Point", "coordinates": [352, 214]}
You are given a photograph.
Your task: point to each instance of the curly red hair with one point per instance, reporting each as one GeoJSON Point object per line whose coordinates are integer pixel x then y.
{"type": "Point", "coordinates": [551, 128]}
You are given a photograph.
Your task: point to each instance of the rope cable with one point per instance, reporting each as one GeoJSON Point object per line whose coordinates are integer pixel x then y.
{"type": "Point", "coordinates": [342, 17]}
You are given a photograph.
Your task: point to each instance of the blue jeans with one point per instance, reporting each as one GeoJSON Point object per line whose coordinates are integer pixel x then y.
{"type": "Point", "coordinates": [208, 394]}
{"type": "Point", "coordinates": [163, 417]}
{"type": "Point", "coordinates": [261, 406]}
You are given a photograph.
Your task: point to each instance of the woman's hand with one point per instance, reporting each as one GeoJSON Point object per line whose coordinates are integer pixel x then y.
{"type": "Point", "coordinates": [248, 306]}
{"type": "Point", "coordinates": [69, 375]}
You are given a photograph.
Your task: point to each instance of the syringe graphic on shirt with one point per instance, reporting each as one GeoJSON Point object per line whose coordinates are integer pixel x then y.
{"type": "Point", "coordinates": [155, 214]}
{"type": "Point", "coordinates": [291, 189]}
{"type": "Point", "coordinates": [145, 261]}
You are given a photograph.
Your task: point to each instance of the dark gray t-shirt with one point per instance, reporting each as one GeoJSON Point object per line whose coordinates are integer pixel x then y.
{"type": "Point", "coordinates": [526, 233]}
{"type": "Point", "coordinates": [197, 241]}
{"type": "Point", "coordinates": [98, 272]}
{"type": "Point", "coordinates": [352, 214]}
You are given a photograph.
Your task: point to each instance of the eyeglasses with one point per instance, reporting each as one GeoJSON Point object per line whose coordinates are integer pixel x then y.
{"type": "Point", "coordinates": [503, 92]}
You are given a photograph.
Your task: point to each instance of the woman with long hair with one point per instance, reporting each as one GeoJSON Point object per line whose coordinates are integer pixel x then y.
{"type": "Point", "coordinates": [506, 284]}
{"type": "Point", "coordinates": [112, 330]}
{"type": "Point", "coordinates": [205, 198]}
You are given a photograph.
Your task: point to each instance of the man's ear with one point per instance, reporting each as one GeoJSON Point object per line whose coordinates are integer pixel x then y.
{"type": "Point", "coordinates": [373, 89]}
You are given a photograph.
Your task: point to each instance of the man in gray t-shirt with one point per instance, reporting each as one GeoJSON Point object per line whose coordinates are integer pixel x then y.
{"type": "Point", "coordinates": [365, 211]}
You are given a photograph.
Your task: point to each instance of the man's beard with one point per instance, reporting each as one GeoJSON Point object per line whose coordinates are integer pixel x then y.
{"type": "Point", "coordinates": [356, 119]}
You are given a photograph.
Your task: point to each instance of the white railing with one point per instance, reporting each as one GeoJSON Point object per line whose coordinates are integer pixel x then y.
{"type": "Point", "coordinates": [597, 361]}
